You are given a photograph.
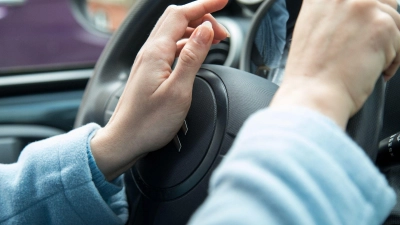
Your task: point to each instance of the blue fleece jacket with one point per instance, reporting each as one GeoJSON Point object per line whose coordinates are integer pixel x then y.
{"type": "Point", "coordinates": [289, 166]}
{"type": "Point", "coordinates": [56, 181]}
{"type": "Point", "coordinates": [295, 166]}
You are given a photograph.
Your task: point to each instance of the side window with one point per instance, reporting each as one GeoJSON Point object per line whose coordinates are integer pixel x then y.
{"type": "Point", "coordinates": [45, 34]}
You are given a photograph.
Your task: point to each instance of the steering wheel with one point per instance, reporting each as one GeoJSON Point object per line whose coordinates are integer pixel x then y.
{"type": "Point", "coordinates": [168, 185]}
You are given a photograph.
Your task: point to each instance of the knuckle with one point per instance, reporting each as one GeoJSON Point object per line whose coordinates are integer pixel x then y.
{"type": "Point", "coordinates": [384, 26]}
{"type": "Point", "coordinates": [361, 5]}
{"type": "Point", "coordinates": [148, 54]}
{"type": "Point", "coordinates": [152, 52]}
{"type": "Point", "coordinates": [383, 21]}
{"type": "Point", "coordinates": [188, 57]}
{"type": "Point", "coordinates": [172, 9]}
{"type": "Point", "coordinates": [391, 57]}
{"type": "Point", "coordinates": [177, 12]}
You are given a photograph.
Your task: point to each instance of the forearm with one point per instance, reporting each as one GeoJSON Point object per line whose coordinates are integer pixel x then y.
{"type": "Point", "coordinates": [57, 177]}
{"type": "Point", "coordinates": [295, 167]}
{"type": "Point", "coordinates": [327, 100]}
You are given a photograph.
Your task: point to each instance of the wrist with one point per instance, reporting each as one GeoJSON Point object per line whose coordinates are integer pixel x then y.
{"type": "Point", "coordinates": [328, 100]}
{"type": "Point", "coordinates": [112, 154]}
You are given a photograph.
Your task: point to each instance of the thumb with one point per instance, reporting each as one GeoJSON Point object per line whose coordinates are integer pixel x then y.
{"type": "Point", "coordinates": [193, 55]}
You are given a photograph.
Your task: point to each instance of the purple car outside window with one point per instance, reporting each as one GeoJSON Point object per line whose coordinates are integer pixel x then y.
{"type": "Point", "coordinates": [44, 34]}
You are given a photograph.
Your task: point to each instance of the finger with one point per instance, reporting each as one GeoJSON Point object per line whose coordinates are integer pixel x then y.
{"type": "Point", "coordinates": [391, 71]}
{"type": "Point", "coordinates": [159, 22]}
{"type": "Point", "coordinates": [180, 16]}
{"type": "Point", "coordinates": [393, 57]}
{"type": "Point", "coordinates": [216, 42]}
{"type": "Point", "coordinates": [198, 9]}
{"type": "Point", "coordinates": [220, 32]}
{"type": "Point", "coordinates": [181, 43]}
{"type": "Point", "coordinates": [392, 3]}
{"type": "Point", "coordinates": [179, 46]}
{"type": "Point", "coordinates": [192, 56]}
{"type": "Point", "coordinates": [391, 12]}
{"type": "Point", "coordinates": [191, 11]}
{"type": "Point", "coordinates": [189, 31]}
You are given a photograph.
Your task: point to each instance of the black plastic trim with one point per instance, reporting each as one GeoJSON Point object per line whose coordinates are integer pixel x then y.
{"type": "Point", "coordinates": [28, 131]}
{"type": "Point", "coordinates": [28, 84]}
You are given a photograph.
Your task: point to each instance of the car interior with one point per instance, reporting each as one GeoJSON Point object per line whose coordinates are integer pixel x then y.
{"type": "Point", "coordinates": [55, 83]}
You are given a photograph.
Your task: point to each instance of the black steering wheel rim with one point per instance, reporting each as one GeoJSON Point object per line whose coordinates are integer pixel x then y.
{"type": "Point", "coordinates": [110, 76]}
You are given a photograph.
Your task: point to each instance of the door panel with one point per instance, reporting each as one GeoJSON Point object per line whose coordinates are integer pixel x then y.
{"type": "Point", "coordinates": [37, 106]}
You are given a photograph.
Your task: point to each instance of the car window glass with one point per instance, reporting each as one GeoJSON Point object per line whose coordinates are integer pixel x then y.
{"type": "Point", "coordinates": [40, 35]}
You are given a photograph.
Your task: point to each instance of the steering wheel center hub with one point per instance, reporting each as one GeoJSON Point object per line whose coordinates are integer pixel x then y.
{"type": "Point", "coordinates": [168, 167]}
{"type": "Point", "coordinates": [169, 173]}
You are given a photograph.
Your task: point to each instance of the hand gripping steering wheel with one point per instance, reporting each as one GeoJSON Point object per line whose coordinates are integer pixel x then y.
{"type": "Point", "coordinates": [168, 185]}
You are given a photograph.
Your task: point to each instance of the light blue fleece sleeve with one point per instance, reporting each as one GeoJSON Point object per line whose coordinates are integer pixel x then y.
{"type": "Point", "coordinates": [56, 181]}
{"type": "Point", "coordinates": [295, 166]}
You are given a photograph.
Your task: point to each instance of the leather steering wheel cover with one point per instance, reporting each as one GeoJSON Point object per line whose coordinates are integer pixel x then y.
{"type": "Point", "coordinates": [364, 127]}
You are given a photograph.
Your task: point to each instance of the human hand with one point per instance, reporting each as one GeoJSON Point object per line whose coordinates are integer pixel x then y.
{"type": "Point", "coordinates": [156, 98]}
{"type": "Point", "coordinates": [339, 50]}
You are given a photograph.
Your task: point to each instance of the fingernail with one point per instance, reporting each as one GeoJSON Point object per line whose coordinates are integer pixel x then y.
{"type": "Point", "coordinates": [226, 30]}
{"type": "Point", "coordinates": [207, 24]}
{"type": "Point", "coordinates": [203, 33]}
